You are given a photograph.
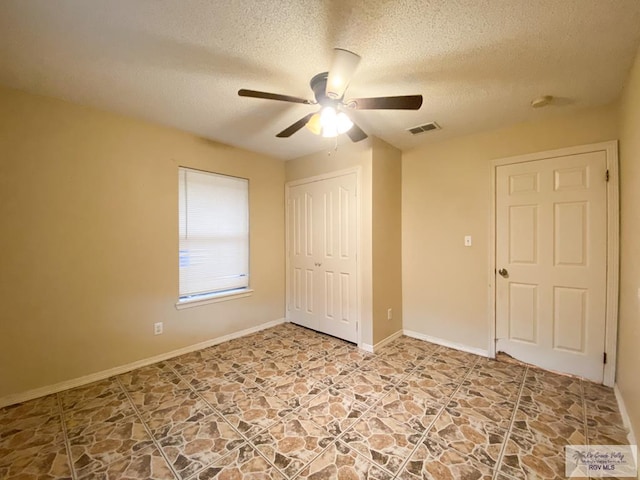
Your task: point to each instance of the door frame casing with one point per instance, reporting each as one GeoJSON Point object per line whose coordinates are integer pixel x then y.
{"type": "Point", "coordinates": [359, 248]}
{"type": "Point", "coordinates": [613, 244]}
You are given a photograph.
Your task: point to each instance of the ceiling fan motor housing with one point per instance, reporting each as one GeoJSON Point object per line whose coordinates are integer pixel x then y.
{"type": "Point", "coordinates": [319, 86]}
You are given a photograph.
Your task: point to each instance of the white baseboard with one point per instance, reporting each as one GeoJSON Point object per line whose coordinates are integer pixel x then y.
{"type": "Point", "coordinates": [94, 377]}
{"type": "Point", "coordinates": [389, 339]}
{"type": "Point", "coordinates": [626, 419]}
{"type": "Point", "coordinates": [374, 348]}
{"type": "Point", "coordinates": [446, 343]}
{"type": "Point", "coordinates": [366, 347]}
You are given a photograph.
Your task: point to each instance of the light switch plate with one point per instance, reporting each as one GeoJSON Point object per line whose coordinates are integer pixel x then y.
{"type": "Point", "coordinates": [467, 240]}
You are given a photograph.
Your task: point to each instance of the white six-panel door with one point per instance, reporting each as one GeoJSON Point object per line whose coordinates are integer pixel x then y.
{"type": "Point", "coordinates": [322, 244]}
{"type": "Point", "coordinates": [551, 257]}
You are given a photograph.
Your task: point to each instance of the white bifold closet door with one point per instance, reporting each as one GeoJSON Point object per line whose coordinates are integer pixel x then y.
{"type": "Point", "coordinates": [322, 245]}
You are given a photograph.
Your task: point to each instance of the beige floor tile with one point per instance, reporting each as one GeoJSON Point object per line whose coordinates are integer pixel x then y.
{"type": "Point", "coordinates": [406, 353]}
{"type": "Point", "coordinates": [382, 439]}
{"type": "Point", "coordinates": [110, 409]}
{"type": "Point", "coordinates": [409, 406]}
{"type": "Point", "coordinates": [191, 365]}
{"type": "Point", "coordinates": [474, 436]}
{"type": "Point", "coordinates": [363, 387]}
{"type": "Point", "coordinates": [90, 395]}
{"type": "Point", "coordinates": [441, 370]}
{"type": "Point", "coordinates": [554, 429]}
{"type": "Point", "coordinates": [102, 444]}
{"type": "Point", "coordinates": [387, 370]}
{"type": "Point", "coordinates": [228, 394]}
{"type": "Point", "coordinates": [340, 462]}
{"type": "Point", "coordinates": [44, 462]}
{"type": "Point", "coordinates": [40, 406]}
{"type": "Point", "coordinates": [243, 463]}
{"type": "Point", "coordinates": [333, 411]}
{"type": "Point", "coordinates": [545, 381]}
{"type": "Point", "coordinates": [436, 388]}
{"type": "Point", "coordinates": [296, 390]}
{"type": "Point", "coordinates": [292, 444]}
{"type": "Point", "coordinates": [147, 464]}
{"type": "Point", "coordinates": [480, 409]}
{"type": "Point", "coordinates": [152, 378]}
{"type": "Point", "coordinates": [189, 447]}
{"type": "Point", "coordinates": [30, 432]}
{"type": "Point", "coordinates": [177, 407]}
{"type": "Point", "coordinates": [526, 458]}
{"type": "Point", "coordinates": [256, 413]}
{"type": "Point", "coordinates": [432, 461]}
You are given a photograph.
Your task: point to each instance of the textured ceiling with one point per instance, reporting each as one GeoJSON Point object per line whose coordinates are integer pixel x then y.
{"type": "Point", "coordinates": [478, 63]}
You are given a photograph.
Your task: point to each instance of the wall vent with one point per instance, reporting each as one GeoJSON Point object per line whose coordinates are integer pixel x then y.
{"type": "Point", "coordinates": [423, 128]}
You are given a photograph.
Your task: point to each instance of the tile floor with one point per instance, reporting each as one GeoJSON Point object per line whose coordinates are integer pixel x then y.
{"type": "Point", "coordinates": [291, 403]}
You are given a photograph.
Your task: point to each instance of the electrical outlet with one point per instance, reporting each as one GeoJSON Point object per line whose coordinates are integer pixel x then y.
{"type": "Point", "coordinates": [157, 328]}
{"type": "Point", "coordinates": [389, 314]}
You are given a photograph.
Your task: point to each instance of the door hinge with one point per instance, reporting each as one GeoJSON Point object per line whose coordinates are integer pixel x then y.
{"type": "Point", "coordinates": [604, 358]}
{"type": "Point", "coordinates": [606, 176]}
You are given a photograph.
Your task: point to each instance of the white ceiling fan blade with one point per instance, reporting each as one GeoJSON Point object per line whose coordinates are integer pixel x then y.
{"type": "Point", "coordinates": [343, 67]}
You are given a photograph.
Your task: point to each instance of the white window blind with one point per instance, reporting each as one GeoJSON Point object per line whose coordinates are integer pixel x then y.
{"type": "Point", "coordinates": [214, 233]}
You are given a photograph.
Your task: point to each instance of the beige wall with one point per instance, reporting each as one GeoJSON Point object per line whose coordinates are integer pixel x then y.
{"type": "Point", "coordinates": [387, 239]}
{"type": "Point", "coordinates": [348, 155]}
{"type": "Point", "coordinates": [445, 196]}
{"type": "Point", "coordinates": [629, 327]}
{"type": "Point", "coordinates": [88, 202]}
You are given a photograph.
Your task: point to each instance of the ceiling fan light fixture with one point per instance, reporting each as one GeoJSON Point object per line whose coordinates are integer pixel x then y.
{"type": "Point", "coordinates": [343, 122]}
{"type": "Point", "coordinates": [329, 123]}
{"type": "Point", "coordinates": [314, 124]}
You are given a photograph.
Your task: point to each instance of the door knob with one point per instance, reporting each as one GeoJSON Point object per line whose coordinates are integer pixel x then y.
{"type": "Point", "coordinates": [503, 272]}
{"type": "Point", "coordinates": [318, 264]}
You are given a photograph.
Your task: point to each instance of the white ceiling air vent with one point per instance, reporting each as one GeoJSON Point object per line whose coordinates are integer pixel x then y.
{"type": "Point", "coordinates": [423, 128]}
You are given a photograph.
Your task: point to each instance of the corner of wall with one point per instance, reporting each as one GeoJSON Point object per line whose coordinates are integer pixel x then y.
{"type": "Point", "coordinates": [387, 240]}
{"type": "Point", "coordinates": [628, 354]}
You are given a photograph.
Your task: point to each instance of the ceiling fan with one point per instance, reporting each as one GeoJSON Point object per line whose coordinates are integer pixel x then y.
{"type": "Point", "coordinates": [328, 90]}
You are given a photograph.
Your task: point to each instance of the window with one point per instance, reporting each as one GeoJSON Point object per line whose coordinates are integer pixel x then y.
{"type": "Point", "coordinates": [214, 235]}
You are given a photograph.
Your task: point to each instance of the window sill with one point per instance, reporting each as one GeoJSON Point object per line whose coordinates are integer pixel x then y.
{"type": "Point", "coordinates": [213, 298]}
